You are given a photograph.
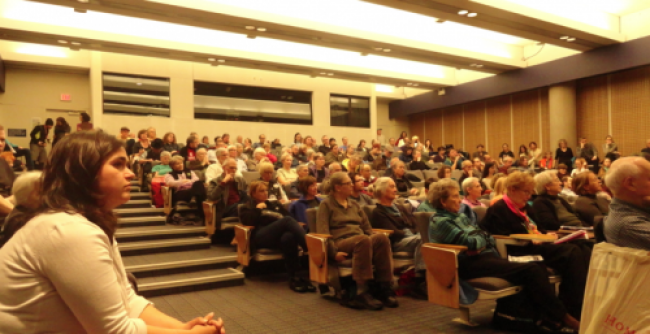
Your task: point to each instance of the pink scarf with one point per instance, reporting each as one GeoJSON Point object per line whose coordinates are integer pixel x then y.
{"type": "Point", "coordinates": [531, 228]}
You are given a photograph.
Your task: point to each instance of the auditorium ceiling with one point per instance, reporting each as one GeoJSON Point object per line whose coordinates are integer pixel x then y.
{"type": "Point", "coordinates": [412, 43]}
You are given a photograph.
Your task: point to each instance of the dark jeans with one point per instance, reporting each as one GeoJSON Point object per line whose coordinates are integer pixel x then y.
{"type": "Point", "coordinates": [531, 276]}
{"type": "Point", "coordinates": [23, 152]}
{"type": "Point", "coordinates": [571, 261]}
{"type": "Point", "coordinates": [285, 234]}
{"type": "Point", "coordinates": [197, 192]}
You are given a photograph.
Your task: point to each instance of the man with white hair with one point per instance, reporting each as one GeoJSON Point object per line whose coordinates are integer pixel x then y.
{"type": "Point", "coordinates": [228, 189]}
{"type": "Point", "coordinates": [628, 222]}
{"type": "Point", "coordinates": [233, 153]}
{"type": "Point", "coordinates": [259, 156]}
{"type": "Point", "coordinates": [24, 197]}
{"type": "Point", "coordinates": [216, 169]}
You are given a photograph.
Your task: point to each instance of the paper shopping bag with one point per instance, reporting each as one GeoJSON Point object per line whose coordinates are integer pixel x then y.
{"type": "Point", "coordinates": [617, 296]}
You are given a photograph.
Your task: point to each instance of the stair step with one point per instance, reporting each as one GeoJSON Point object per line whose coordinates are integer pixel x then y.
{"type": "Point", "coordinates": [183, 282]}
{"type": "Point", "coordinates": [140, 196]}
{"type": "Point", "coordinates": [174, 262]}
{"type": "Point", "coordinates": [160, 246]}
{"type": "Point", "coordinates": [141, 221]}
{"type": "Point", "coordinates": [139, 212]}
{"type": "Point", "coordinates": [136, 203]}
{"type": "Point", "coordinates": [158, 232]}
{"type": "Point", "coordinates": [135, 182]}
{"type": "Point", "coordinates": [135, 189]}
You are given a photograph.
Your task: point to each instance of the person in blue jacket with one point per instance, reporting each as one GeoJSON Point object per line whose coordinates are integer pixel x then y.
{"type": "Point", "coordinates": [309, 199]}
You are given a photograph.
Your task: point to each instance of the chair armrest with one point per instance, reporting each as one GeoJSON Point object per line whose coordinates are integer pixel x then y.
{"type": "Point", "coordinates": [503, 242]}
{"type": "Point", "coordinates": [534, 237]}
{"type": "Point", "coordinates": [323, 236]}
{"type": "Point", "coordinates": [442, 273]}
{"type": "Point", "coordinates": [495, 236]}
{"type": "Point", "coordinates": [244, 227]}
{"type": "Point", "coordinates": [208, 213]}
{"type": "Point", "coordinates": [243, 237]}
{"type": "Point", "coordinates": [317, 252]}
{"type": "Point", "coordinates": [457, 248]}
{"type": "Point", "coordinates": [386, 232]}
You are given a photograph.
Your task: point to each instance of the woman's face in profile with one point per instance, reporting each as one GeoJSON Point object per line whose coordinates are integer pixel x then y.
{"type": "Point", "coordinates": [114, 181]}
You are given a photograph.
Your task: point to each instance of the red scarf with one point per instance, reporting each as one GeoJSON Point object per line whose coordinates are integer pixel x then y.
{"type": "Point", "coordinates": [521, 213]}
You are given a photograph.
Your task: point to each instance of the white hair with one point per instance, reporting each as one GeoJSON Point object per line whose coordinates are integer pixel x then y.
{"type": "Point", "coordinates": [468, 182]}
{"type": "Point", "coordinates": [259, 150]}
{"type": "Point", "coordinates": [542, 179]}
{"type": "Point", "coordinates": [301, 167]}
{"type": "Point", "coordinates": [220, 150]}
{"type": "Point", "coordinates": [380, 186]}
{"type": "Point", "coordinates": [621, 169]}
{"type": "Point", "coordinates": [232, 147]}
{"type": "Point", "coordinates": [165, 154]}
{"type": "Point", "coordinates": [25, 185]}
{"type": "Point", "coordinates": [227, 161]}
{"type": "Point", "coordinates": [201, 150]}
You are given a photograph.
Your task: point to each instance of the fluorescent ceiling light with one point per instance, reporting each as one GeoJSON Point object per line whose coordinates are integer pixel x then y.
{"type": "Point", "coordinates": [384, 88]}
{"type": "Point", "coordinates": [366, 17]}
{"type": "Point", "coordinates": [128, 26]}
{"type": "Point", "coordinates": [41, 50]}
{"type": "Point", "coordinates": [591, 12]}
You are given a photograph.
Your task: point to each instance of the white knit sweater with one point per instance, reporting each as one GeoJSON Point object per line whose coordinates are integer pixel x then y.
{"type": "Point", "coordinates": [60, 274]}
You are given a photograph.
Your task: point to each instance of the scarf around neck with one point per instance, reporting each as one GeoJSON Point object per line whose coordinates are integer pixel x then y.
{"type": "Point", "coordinates": [530, 225]}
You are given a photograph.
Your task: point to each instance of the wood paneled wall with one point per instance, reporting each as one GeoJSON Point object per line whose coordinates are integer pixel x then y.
{"type": "Point", "coordinates": [616, 104]}
{"type": "Point", "coordinates": [513, 119]}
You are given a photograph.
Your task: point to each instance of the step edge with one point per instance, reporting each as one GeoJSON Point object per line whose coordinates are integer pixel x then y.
{"type": "Point", "coordinates": [127, 233]}
{"type": "Point", "coordinates": [128, 246]}
{"type": "Point", "coordinates": [181, 264]}
{"type": "Point", "coordinates": [191, 281]}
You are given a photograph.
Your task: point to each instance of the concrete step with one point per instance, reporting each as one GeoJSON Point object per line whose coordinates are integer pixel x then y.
{"type": "Point", "coordinates": [135, 182]}
{"type": "Point", "coordinates": [141, 221]}
{"type": "Point", "coordinates": [136, 203]}
{"type": "Point", "coordinates": [135, 189]}
{"type": "Point", "coordinates": [184, 282]}
{"type": "Point", "coordinates": [139, 196]}
{"type": "Point", "coordinates": [158, 233]}
{"type": "Point", "coordinates": [161, 246]}
{"type": "Point", "coordinates": [215, 257]}
{"type": "Point", "coordinates": [139, 212]}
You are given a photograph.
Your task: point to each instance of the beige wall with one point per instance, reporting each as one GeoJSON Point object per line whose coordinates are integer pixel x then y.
{"type": "Point", "coordinates": [29, 93]}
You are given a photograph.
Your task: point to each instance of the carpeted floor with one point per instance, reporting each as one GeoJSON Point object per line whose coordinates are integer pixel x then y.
{"type": "Point", "coordinates": [264, 304]}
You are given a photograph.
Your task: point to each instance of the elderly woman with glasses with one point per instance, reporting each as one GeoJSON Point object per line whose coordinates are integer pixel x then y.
{"type": "Point", "coordinates": [448, 226]}
{"type": "Point", "coordinates": [352, 237]}
{"type": "Point", "coordinates": [552, 210]}
{"type": "Point", "coordinates": [513, 215]}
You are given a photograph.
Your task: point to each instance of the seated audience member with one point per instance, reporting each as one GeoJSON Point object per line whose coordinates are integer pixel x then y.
{"type": "Point", "coordinates": [547, 161]}
{"type": "Point", "coordinates": [581, 167]}
{"type": "Point", "coordinates": [185, 183]}
{"type": "Point", "coordinates": [142, 143]}
{"type": "Point", "coordinates": [524, 164]}
{"type": "Point", "coordinates": [272, 158]}
{"type": "Point", "coordinates": [444, 172]}
{"type": "Point", "coordinates": [334, 155]}
{"type": "Point", "coordinates": [468, 171]}
{"type": "Point", "coordinates": [361, 148]}
{"type": "Point", "coordinates": [334, 168]}
{"type": "Point", "coordinates": [404, 185]}
{"type": "Point", "coordinates": [163, 168]}
{"type": "Point", "coordinates": [295, 154]}
{"type": "Point", "coordinates": [240, 153]}
{"type": "Point", "coordinates": [480, 152]}
{"type": "Point", "coordinates": [628, 222]}
{"type": "Point", "coordinates": [507, 164]}
{"type": "Point", "coordinates": [308, 188]}
{"type": "Point", "coordinates": [24, 199]}
{"type": "Point", "coordinates": [472, 190]}
{"type": "Point", "coordinates": [188, 152]}
{"type": "Point", "coordinates": [235, 154]}
{"type": "Point", "coordinates": [488, 173]}
{"type": "Point", "coordinates": [169, 143]}
{"type": "Point", "coordinates": [261, 143]}
{"type": "Point", "coordinates": [357, 190]}
{"type": "Point", "coordinates": [16, 150]}
{"type": "Point", "coordinates": [588, 206]}
{"type": "Point", "coordinates": [388, 216]}
{"type": "Point", "coordinates": [552, 210]}
{"type": "Point", "coordinates": [523, 152]}
{"type": "Point", "coordinates": [499, 190]}
{"type": "Point", "coordinates": [478, 166]}
{"type": "Point", "coordinates": [286, 175]}
{"type": "Point", "coordinates": [248, 148]}
{"type": "Point", "coordinates": [259, 156]}
{"type": "Point", "coordinates": [566, 187]}
{"type": "Point", "coordinates": [534, 154]}
{"type": "Point", "coordinates": [318, 169]}
{"type": "Point", "coordinates": [562, 171]}
{"type": "Point", "coordinates": [454, 160]}
{"type": "Point", "coordinates": [85, 124]}
{"type": "Point", "coordinates": [8, 156]}
{"type": "Point", "coordinates": [352, 237]}
{"type": "Point", "coordinates": [275, 143]}
{"type": "Point", "coordinates": [513, 215]}
{"type": "Point", "coordinates": [488, 159]}
{"type": "Point", "coordinates": [366, 174]}
{"type": "Point", "coordinates": [375, 153]}
{"type": "Point", "coordinates": [354, 164]}
{"type": "Point", "coordinates": [325, 147]}
{"type": "Point", "coordinates": [349, 152]}
{"type": "Point", "coordinates": [607, 162]}
{"type": "Point", "coordinates": [228, 190]}
{"type": "Point", "coordinates": [505, 152]}
{"type": "Point", "coordinates": [417, 163]}
{"type": "Point", "coordinates": [294, 190]}
{"type": "Point", "coordinates": [441, 156]}
{"type": "Point", "coordinates": [275, 190]}
{"type": "Point", "coordinates": [216, 169]}
{"type": "Point", "coordinates": [45, 285]}
{"type": "Point", "coordinates": [344, 144]}
{"type": "Point", "coordinates": [283, 151]}
{"type": "Point", "coordinates": [151, 134]}
{"type": "Point", "coordinates": [407, 154]}
{"type": "Point", "coordinates": [610, 149]}
{"type": "Point", "coordinates": [382, 163]}
{"type": "Point", "coordinates": [200, 165]}
{"type": "Point", "coordinates": [275, 228]}
{"type": "Point", "coordinates": [448, 226]}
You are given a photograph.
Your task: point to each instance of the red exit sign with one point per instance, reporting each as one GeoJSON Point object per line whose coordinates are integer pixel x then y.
{"type": "Point", "coordinates": [66, 97]}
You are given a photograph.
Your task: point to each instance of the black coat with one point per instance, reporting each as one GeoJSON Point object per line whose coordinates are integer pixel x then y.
{"type": "Point", "coordinates": [382, 219]}
{"type": "Point", "coordinates": [545, 211]}
{"type": "Point", "coordinates": [499, 220]}
{"type": "Point", "coordinates": [250, 215]}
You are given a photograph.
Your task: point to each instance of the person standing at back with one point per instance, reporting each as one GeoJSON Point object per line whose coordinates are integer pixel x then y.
{"type": "Point", "coordinates": [38, 142]}
{"type": "Point", "coordinates": [85, 124]}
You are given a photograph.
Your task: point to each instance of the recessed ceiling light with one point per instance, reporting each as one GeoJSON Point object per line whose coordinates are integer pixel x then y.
{"type": "Point", "coordinates": [330, 74]}
{"type": "Point", "coordinates": [262, 29]}
{"type": "Point", "coordinates": [75, 43]}
{"type": "Point", "coordinates": [479, 65]}
{"type": "Point", "coordinates": [211, 59]}
{"type": "Point", "coordinates": [221, 60]}
{"type": "Point", "coordinates": [250, 27]}
{"type": "Point", "coordinates": [84, 1]}
{"type": "Point", "coordinates": [386, 50]}
{"type": "Point", "coordinates": [564, 37]}
{"type": "Point", "coordinates": [378, 49]}
{"type": "Point", "coordinates": [571, 39]}
{"type": "Point", "coordinates": [139, 83]}
{"type": "Point", "coordinates": [472, 65]}
{"type": "Point", "coordinates": [463, 12]}
{"type": "Point", "coordinates": [415, 85]}
{"type": "Point", "coordinates": [62, 41]}
{"type": "Point", "coordinates": [289, 97]}
{"type": "Point", "coordinates": [323, 73]}
{"type": "Point", "coordinates": [471, 15]}
{"type": "Point", "coordinates": [409, 84]}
